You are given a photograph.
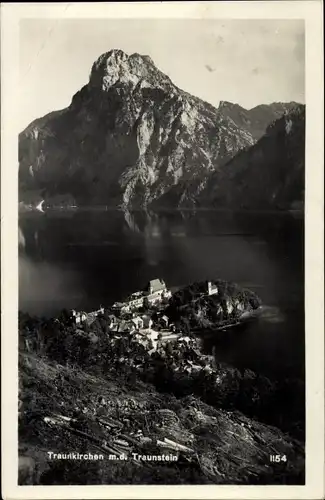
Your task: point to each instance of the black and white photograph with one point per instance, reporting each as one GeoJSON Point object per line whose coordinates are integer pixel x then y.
{"type": "Point", "coordinates": [161, 251]}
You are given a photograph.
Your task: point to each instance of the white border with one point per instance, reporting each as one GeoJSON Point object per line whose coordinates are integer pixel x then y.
{"type": "Point", "coordinates": [311, 11]}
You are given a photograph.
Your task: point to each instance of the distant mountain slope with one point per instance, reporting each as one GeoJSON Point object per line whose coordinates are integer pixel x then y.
{"type": "Point", "coordinates": [270, 175]}
{"type": "Point", "coordinates": [131, 138]}
{"type": "Point", "coordinates": [256, 120]}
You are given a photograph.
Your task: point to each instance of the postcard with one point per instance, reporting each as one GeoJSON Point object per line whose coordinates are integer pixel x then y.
{"type": "Point", "coordinates": [162, 250]}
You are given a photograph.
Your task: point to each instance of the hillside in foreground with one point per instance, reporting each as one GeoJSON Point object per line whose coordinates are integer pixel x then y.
{"type": "Point", "coordinates": [225, 447]}
{"type": "Point", "coordinates": [89, 389]}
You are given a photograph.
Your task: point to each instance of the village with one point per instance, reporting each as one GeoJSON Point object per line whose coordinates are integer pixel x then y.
{"type": "Point", "coordinates": [144, 324]}
{"type": "Point", "coordinates": [136, 339]}
{"type": "Point", "coordinates": [141, 319]}
{"type": "Point", "coordinates": [141, 314]}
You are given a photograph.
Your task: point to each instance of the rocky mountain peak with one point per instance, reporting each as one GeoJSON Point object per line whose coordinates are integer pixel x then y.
{"type": "Point", "coordinates": [117, 67]}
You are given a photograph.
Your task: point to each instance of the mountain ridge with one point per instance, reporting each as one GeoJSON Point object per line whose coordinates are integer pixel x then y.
{"type": "Point", "coordinates": [130, 136]}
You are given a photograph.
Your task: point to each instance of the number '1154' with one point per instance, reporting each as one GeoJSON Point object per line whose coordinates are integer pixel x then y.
{"type": "Point", "coordinates": [278, 458]}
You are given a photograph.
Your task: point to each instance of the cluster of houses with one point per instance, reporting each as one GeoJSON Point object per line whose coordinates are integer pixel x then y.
{"type": "Point", "coordinates": [128, 323]}
{"type": "Point", "coordinates": [83, 317]}
{"type": "Point", "coordinates": [155, 293]}
{"type": "Point", "coordinates": [125, 317]}
{"type": "Point", "coordinates": [137, 322]}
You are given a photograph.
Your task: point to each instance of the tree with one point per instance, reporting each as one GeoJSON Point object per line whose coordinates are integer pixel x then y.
{"type": "Point", "coordinates": [146, 304]}
{"type": "Point", "coordinates": [185, 325]}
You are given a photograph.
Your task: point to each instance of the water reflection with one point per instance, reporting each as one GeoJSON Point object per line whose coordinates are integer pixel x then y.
{"type": "Point", "coordinates": [45, 288]}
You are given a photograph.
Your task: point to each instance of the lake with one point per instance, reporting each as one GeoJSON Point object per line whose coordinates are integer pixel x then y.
{"type": "Point", "coordinates": [85, 259]}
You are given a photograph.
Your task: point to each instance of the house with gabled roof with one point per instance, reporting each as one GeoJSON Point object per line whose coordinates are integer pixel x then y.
{"type": "Point", "coordinates": [157, 285]}
{"type": "Point", "coordinates": [157, 290]}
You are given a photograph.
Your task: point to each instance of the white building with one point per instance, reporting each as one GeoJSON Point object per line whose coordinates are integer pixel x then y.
{"type": "Point", "coordinates": [157, 291]}
{"type": "Point", "coordinates": [137, 322]}
{"type": "Point", "coordinates": [156, 286]}
{"type": "Point", "coordinates": [80, 317]}
{"type": "Point", "coordinates": [212, 288]}
{"type": "Point", "coordinates": [153, 336]}
{"type": "Point", "coordinates": [147, 321]}
{"type": "Point", "coordinates": [133, 302]}
{"type": "Point", "coordinates": [164, 320]}
{"type": "Point", "coordinates": [185, 339]}
{"type": "Point", "coordinates": [112, 321]}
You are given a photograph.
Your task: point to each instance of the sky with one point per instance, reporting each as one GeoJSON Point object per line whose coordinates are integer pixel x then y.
{"type": "Point", "coordinates": [249, 62]}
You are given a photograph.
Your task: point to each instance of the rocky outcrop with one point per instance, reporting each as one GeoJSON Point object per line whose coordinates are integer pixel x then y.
{"type": "Point", "coordinates": [131, 138]}
{"type": "Point", "coordinates": [211, 305]}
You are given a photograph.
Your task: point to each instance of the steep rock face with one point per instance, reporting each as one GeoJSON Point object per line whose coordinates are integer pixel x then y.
{"type": "Point", "coordinates": [270, 175]}
{"type": "Point", "coordinates": [128, 137]}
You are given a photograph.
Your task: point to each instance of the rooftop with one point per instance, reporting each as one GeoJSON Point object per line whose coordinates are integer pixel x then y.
{"type": "Point", "coordinates": [157, 284]}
